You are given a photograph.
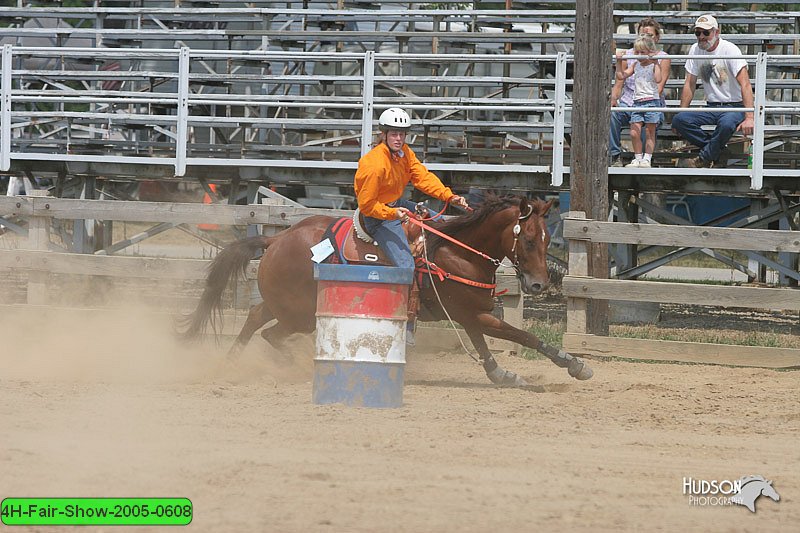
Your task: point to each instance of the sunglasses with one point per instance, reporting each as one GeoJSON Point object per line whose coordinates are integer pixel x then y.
{"type": "Point", "coordinates": [698, 33]}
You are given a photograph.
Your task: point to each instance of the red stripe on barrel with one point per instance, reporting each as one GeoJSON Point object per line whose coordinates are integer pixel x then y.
{"type": "Point", "coordinates": [361, 299]}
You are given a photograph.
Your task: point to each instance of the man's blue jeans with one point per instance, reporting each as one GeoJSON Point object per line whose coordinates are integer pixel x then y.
{"type": "Point", "coordinates": [688, 125]}
{"type": "Point", "coordinates": [390, 236]}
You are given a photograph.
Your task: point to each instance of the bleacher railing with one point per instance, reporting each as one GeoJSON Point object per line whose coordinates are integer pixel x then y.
{"type": "Point", "coordinates": [178, 107]}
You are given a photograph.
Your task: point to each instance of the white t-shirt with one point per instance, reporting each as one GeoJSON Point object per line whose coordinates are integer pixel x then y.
{"type": "Point", "coordinates": [717, 72]}
{"type": "Point", "coordinates": [642, 85]}
{"type": "Point", "coordinates": [645, 80]}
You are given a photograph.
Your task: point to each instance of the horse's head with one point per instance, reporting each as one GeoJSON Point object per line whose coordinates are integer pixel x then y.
{"type": "Point", "coordinates": [751, 488]}
{"type": "Point", "coordinates": [768, 490]}
{"type": "Point", "coordinates": [530, 240]}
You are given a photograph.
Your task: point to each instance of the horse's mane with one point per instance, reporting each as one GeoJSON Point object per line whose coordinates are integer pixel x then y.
{"type": "Point", "coordinates": [457, 225]}
{"type": "Point", "coordinates": [747, 479]}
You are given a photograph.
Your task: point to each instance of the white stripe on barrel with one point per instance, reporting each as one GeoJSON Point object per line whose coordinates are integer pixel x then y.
{"type": "Point", "coordinates": [361, 331]}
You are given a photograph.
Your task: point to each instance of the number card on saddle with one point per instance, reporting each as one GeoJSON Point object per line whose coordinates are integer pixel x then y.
{"type": "Point", "coordinates": [354, 245]}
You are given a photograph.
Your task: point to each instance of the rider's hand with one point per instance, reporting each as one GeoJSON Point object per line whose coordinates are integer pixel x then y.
{"type": "Point", "coordinates": [459, 201]}
{"type": "Point", "coordinates": [403, 213]}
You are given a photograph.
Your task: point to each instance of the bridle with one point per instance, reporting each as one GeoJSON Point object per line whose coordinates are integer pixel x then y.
{"type": "Point", "coordinates": [516, 231]}
{"type": "Point", "coordinates": [496, 262]}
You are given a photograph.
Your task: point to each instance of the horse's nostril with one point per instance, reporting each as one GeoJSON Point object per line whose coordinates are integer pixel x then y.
{"type": "Point", "coordinates": [536, 287]}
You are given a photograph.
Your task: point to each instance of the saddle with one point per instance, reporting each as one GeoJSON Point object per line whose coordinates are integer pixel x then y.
{"type": "Point", "coordinates": [355, 246]}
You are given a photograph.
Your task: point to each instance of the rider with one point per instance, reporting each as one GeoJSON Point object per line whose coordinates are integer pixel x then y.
{"type": "Point", "coordinates": [380, 181]}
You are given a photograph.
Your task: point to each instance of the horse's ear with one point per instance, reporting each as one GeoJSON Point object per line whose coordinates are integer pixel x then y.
{"type": "Point", "coordinates": [523, 206]}
{"type": "Point", "coordinates": [542, 208]}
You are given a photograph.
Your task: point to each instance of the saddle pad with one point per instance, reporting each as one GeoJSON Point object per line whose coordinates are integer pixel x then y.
{"type": "Point", "coordinates": [351, 249]}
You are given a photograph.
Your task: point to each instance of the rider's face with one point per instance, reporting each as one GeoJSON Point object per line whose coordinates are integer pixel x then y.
{"type": "Point", "coordinates": [395, 139]}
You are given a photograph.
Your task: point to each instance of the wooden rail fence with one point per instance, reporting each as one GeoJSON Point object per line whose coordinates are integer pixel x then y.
{"type": "Point", "coordinates": [579, 287]}
{"type": "Point", "coordinates": [39, 259]}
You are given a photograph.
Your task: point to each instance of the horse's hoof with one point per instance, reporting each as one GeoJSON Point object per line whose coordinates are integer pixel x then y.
{"type": "Point", "coordinates": [504, 378]}
{"type": "Point", "coordinates": [519, 382]}
{"type": "Point", "coordinates": [578, 369]}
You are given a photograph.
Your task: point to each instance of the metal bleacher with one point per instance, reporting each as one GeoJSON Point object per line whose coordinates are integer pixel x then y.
{"type": "Point", "coordinates": [286, 92]}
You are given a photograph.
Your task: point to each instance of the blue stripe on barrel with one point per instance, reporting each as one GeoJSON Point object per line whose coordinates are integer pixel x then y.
{"type": "Point", "coordinates": [360, 348]}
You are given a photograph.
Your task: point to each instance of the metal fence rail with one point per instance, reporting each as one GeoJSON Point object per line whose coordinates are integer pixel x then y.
{"type": "Point", "coordinates": [184, 107]}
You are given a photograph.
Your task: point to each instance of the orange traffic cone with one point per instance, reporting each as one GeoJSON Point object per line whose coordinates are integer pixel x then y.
{"type": "Point", "coordinates": [207, 200]}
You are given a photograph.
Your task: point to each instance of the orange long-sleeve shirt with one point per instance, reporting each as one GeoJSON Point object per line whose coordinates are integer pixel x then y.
{"type": "Point", "coordinates": [382, 177]}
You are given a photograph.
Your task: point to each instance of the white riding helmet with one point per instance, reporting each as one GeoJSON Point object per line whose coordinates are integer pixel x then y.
{"type": "Point", "coordinates": [394, 118]}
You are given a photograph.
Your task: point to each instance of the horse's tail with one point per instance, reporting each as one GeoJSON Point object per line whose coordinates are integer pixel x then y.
{"type": "Point", "coordinates": [230, 263]}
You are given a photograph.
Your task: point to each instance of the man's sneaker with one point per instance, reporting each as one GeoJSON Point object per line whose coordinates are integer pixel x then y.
{"type": "Point", "coordinates": [616, 162]}
{"type": "Point", "coordinates": [644, 163]}
{"type": "Point", "coordinates": [636, 163]}
{"type": "Point", "coordinates": [698, 162]}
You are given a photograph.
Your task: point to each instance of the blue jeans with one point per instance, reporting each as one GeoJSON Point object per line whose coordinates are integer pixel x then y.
{"type": "Point", "coordinates": [391, 237]}
{"type": "Point", "coordinates": [619, 119]}
{"type": "Point", "coordinates": [688, 125]}
{"type": "Point", "coordinates": [648, 117]}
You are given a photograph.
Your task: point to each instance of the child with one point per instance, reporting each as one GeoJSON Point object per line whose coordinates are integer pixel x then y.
{"type": "Point", "coordinates": [647, 76]}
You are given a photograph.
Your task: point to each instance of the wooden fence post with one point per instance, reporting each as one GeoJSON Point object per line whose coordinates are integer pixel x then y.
{"type": "Point", "coordinates": [513, 307]}
{"type": "Point", "coordinates": [38, 239]}
{"type": "Point", "coordinates": [591, 98]}
{"type": "Point", "coordinates": [578, 266]}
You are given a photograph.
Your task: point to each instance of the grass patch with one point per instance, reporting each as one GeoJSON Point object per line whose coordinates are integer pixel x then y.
{"type": "Point", "coordinates": [695, 281]}
{"type": "Point", "coordinates": [739, 338]}
{"type": "Point", "coordinates": [552, 332]}
{"type": "Point", "coordinates": [698, 259]}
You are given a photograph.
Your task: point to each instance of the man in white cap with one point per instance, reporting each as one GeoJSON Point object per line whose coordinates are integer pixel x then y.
{"type": "Point", "coordinates": [726, 83]}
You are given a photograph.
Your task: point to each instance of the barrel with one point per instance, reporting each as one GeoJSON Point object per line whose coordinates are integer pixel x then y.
{"type": "Point", "coordinates": [361, 335]}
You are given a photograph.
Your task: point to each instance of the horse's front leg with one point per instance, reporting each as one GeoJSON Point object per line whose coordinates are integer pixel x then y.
{"type": "Point", "coordinates": [496, 375]}
{"type": "Point", "coordinates": [494, 327]}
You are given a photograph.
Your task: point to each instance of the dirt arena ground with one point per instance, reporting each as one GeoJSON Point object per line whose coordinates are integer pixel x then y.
{"type": "Point", "coordinates": [116, 407]}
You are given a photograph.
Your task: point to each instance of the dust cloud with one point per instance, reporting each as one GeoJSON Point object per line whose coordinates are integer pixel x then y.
{"type": "Point", "coordinates": [133, 346]}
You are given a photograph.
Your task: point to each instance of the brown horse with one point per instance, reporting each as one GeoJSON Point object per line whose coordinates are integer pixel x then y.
{"type": "Point", "coordinates": [501, 227]}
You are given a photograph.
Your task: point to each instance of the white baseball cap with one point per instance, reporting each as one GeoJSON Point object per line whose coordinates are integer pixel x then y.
{"type": "Point", "coordinates": [706, 22]}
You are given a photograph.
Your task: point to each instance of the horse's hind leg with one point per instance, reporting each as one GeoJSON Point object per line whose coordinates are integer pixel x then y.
{"type": "Point", "coordinates": [256, 318]}
{"type": "Point", "coordinates": [276, 335]}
